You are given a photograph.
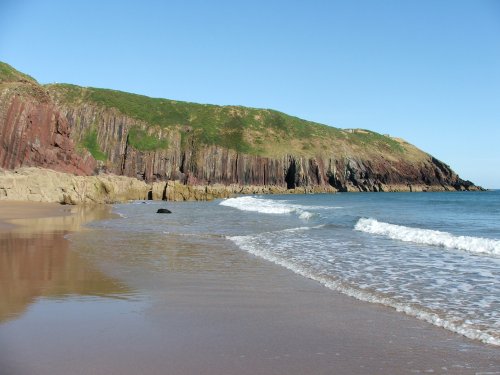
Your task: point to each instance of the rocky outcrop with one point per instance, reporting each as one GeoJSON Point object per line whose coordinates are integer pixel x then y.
{"type": "Point", "coordinates": [45, 185]}
{"type": "Point", "coordinates": [194, 164]}
{"type": "Point", "coordinates": [40, 126]}
{"type": "Point", "coordinates": [33, 132]}
{"type": "Point", "coordinates": [178, 191]}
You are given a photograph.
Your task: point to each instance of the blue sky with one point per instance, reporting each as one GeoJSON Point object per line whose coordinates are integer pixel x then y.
{"type": "Point", "coordinates": [424, 70]}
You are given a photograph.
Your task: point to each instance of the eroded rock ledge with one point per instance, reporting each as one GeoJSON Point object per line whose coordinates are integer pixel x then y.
{"type": "Point", "coordinates": [46, 185]}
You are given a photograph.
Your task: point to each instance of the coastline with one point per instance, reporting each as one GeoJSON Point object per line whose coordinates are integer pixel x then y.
{"type": "Point", "coordinates": [33, 184]}
{"type": "Point", "coordinates": [10, 211]}
{"type": "Point", "coordinates": [219, 311]}
{"type": "Point", "coordinates": [35, 255]}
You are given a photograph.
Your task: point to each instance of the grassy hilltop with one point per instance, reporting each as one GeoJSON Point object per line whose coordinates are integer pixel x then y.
{"type": "Point", "coordinates": [9, 74]}
{"type": "Point", "coordinates": [262, 132]}
{"type": "Point", "coordinates": [161, 139]}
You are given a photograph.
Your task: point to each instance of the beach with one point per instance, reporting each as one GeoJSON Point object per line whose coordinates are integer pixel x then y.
{"type": "Point", "coordinates": [75, 301]}
{"type": "Point", "coordinates": [16, 210]}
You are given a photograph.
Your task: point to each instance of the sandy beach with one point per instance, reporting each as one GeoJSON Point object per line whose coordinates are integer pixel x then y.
{"type": "Point", "coordinates": [68, 308]}
{"type": "Point", "coordinates": [17, 210]}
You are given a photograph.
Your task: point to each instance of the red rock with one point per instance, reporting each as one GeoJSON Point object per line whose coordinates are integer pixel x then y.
{"type": "Point", "coordinates": [33, 133]}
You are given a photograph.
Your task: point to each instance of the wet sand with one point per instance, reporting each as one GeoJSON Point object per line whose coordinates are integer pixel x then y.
{"type": "Point", "coordinates": [68, 308]}
{"type": "Point", "coordinates": [11, 211]}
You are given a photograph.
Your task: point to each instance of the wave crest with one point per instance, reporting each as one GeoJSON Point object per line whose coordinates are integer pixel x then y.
{"type": "Point", "coordinates": [477, 245]}
{"type": "Point", "coordinates": [266, 206]}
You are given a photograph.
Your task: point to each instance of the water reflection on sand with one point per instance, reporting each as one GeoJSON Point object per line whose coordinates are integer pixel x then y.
{"type": "Point", "coordinates": [36, 262]}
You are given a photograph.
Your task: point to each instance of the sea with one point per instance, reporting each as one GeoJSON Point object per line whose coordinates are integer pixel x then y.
{"type": "Point", "coordinates": [433, 256]}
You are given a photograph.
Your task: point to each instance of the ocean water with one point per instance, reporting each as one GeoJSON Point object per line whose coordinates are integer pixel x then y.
{"type": "Point", "coordinates": [434, 256]}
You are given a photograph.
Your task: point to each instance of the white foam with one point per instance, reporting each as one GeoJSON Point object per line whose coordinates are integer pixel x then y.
{"type": "Point", "coordinates": [247, 243]}
{"type": "Point", "coordinates": [324, 208]}
{"type": "Point", "coordinates": [202, 235]}
{"type": "Point", "coordinates": [476, 245]}
{"type": "Point", "coordinates": [266, 206]}
{"type": "Point", "coordinates": [306, 215]}
{"type": "Point", "coordinates": [298, 229]}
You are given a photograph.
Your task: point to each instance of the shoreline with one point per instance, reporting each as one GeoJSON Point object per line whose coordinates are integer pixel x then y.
{"type": "Point", "coordinates": [33, 184]}
{"type": "Point", "coordinates": [203, 316]}
{"type": "Point", "coordinates": [11, 211]}
{"type": "Point", "coordinates": [30, 218]}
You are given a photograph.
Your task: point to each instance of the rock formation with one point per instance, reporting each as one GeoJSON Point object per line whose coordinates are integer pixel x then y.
{"type": "Point", "coordinates": [46, 185]}
{"type": "Point", "coordinates": [33, 132]}
{"type": "Point", "coordinates": [188, 151]}
{"type": "Point", "coordinates": [193, 164]}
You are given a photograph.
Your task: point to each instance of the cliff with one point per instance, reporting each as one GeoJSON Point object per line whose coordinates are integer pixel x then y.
{"type": "Point", "coordinates": [32, 130]}
{"type": "Point", "coordinates": [159, 140]}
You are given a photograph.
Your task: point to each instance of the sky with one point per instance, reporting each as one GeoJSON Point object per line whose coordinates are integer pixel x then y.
{"type": "Point", "coordinates": [427, 71]}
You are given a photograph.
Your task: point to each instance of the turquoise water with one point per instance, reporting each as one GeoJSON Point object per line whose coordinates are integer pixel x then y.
{"type": "Point", "coordinates": [435, 256]}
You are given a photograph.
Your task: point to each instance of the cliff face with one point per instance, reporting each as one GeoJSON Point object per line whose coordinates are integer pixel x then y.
{"type": "Point", "coordinates": [192, 163]}
{"type": "Point", "coordinates": [157, 140]}
{"type": "Point", "coordinates": [33, 132]}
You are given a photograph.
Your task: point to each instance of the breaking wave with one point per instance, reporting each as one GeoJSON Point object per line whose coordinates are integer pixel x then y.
{"type": "Point", "coordinates": [266, 206]}
{"type": "Point", "coordinates": [477, 245]}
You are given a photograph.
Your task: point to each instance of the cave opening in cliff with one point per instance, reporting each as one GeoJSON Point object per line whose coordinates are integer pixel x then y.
{"type": "Point", "coordinates": [290, 175]}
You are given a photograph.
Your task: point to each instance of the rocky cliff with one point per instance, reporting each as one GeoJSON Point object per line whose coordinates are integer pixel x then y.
{"type": "Point", "coordinates": [159, 140]}
{"type": "Point", "coordinates": [356, 160]}
{"type": "Point", "coordinates": [32, 130]}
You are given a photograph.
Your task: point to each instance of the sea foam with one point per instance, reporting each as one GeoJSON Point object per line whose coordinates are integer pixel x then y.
{"type": "Point", "coordinates": [477, 245]}
{"type": "Point", "coordinates": [248, 244]}
{"type": "Point", "coordinates": [266, 206]}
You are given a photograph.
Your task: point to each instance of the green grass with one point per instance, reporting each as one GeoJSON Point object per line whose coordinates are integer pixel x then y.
{"type": "Point", "coordinates": [209, 118]}
{"type": "Point", "coordinates": [142, 141]}
{"type": "Point", "coordinates": [246, 130]}
{"type": "Point", "coordinates": [372, 139]}
{"type": "Point", "coordinates": [70, 93]}
{"type": "Point", "coordinates": [90, 143]}
{"type": "Point", "coordinates": [9, 74]}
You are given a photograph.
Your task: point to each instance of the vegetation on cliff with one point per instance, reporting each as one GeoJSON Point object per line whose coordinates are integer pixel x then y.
{"type": "Point", "coordinates": [9, 74]}
{"type": "Point", "coordinates": [142, 141]}
{"type": "Point", "coordinates": [157, 140]}
{"type": "Point", "coordinates": [32, 130]}
{"type": "Point", "coordinates": [91, 144]}
{"type": "Point", "coordinates": [262, 132]}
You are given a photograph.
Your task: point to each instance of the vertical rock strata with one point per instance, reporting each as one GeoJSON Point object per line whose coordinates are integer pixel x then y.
{"type": "Point", "coordinates": [33, 133]}
{"type": "Point", "coordinates": [39, 128]}
{"type": "Point", "coordinates": [194, 164]}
